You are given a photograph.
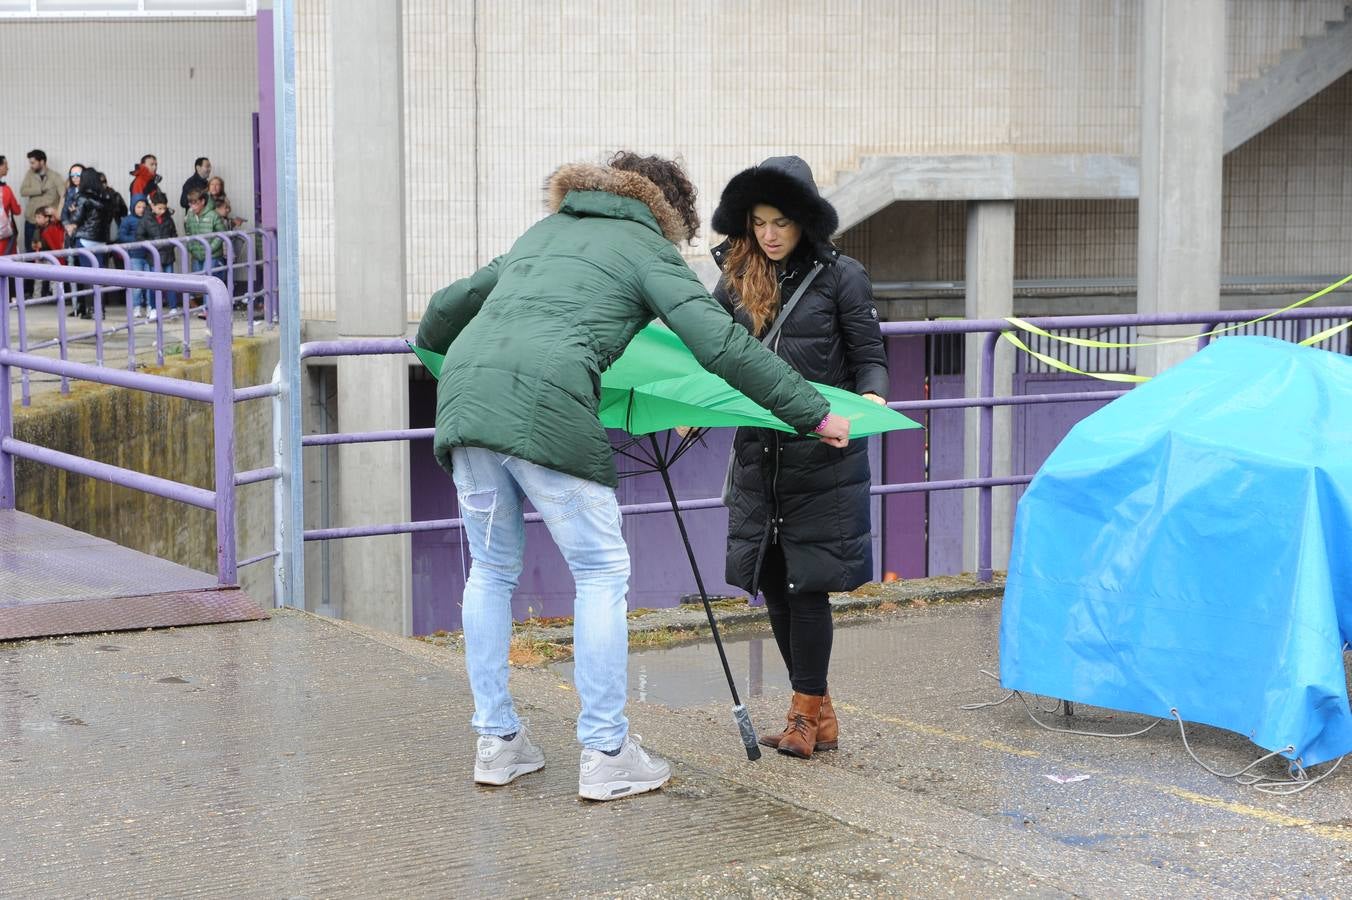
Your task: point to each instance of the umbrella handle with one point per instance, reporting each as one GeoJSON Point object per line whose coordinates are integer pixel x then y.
{"type": "Point", "coordinates": [743, 718]}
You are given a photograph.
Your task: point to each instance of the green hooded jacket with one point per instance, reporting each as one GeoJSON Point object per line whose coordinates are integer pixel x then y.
{"type": "Point", "coordinates": [527, 336]}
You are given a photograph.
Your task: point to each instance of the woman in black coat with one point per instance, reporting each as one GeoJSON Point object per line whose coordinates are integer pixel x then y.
{"type": "Point", "coordinates": [93, 219]}
{"type": "Point", "coordinates": [798, 510]}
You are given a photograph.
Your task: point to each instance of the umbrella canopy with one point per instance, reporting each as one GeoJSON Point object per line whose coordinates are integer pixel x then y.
{"type": "Point", "coordinates": [657, 384]}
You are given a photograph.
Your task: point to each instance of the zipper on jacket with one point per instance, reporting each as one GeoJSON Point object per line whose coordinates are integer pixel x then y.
{"type": "Point", "coordinates": [776, 448]}
{"type": "Point", "coordinates": [774, 491]}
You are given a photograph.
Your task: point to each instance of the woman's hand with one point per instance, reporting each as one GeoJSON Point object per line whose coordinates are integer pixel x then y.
{"type": "Point", "coordinates": [834, 430]}
{"type": "Point", "coordinates": [875, 398]}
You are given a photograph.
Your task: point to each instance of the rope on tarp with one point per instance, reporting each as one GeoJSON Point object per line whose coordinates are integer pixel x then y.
{"type": "Point", "coordinates": [1300, 779]}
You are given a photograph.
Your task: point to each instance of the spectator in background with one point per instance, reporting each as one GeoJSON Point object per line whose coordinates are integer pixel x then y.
{"type": "Point", "coordinates": [144, 177]}
{"type": "Point", "coordinates": [9, 209]}
{"type": "Point", "coordinates": [156, 225]}
{"type": "Point", "coordinates": [137, 258]}
{"type": "Point", "coordinates": [71, 199]}
{"type": "Point", "coordinates": [49, 235]}
{"type": "Point", "coordinates": [41, 188]}
{"type": "Point", "coordinates": [117, 207]}
{"type": "Point", "coordinates": [93, 220]}
{"type": "Point", "coordinates": [202, 219]}
{"type": "Point", "coordinates": [197, 181]}
{"type": "Point", "coordinates": [216, 198]}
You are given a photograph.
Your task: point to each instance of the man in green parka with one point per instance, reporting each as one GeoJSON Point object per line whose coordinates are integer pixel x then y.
{"type": "Point", "coordinates": [526, 339]}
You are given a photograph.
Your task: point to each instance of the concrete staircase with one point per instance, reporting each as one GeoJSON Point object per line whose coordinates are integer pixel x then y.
{"type": "Point", "coordinates": [1299, 74]}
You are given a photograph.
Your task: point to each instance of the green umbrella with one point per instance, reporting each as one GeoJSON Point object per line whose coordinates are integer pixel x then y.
{"type": "Point", "coordinates": [657, 384]}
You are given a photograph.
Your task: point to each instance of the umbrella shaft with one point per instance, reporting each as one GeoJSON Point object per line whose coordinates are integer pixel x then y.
{"type": "Point", "coordinates": [694, 566]}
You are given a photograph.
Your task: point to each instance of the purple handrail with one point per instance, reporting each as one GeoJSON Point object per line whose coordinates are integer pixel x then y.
{"type": "Point", "coordinates": [985, 403]}
{"type": "Point", "coordinates": [122, 251]}
{"type": "Point", "coordinates": [220, 393]}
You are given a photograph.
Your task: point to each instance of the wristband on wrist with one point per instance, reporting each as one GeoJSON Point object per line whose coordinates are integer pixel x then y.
{"type": "Point", "coordinates": [821, 424]}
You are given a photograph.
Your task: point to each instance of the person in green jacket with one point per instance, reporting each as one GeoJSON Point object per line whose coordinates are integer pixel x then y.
{"type": "Point", "coordinates": [526, 339]}
{"type": "Point", "coordinates": [203, 219]}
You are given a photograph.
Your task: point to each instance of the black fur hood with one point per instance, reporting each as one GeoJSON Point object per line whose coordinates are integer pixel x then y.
{"type": "Point", "coordinates": [784, 182]}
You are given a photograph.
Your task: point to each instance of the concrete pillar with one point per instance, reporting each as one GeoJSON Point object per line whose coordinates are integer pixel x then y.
{"type": "Point", "coordinates": [990, 295]}
{"type": "Point", "coordinates": [1182, 118]}
{"type": "Point", "coordinates": [267, 118]}
{"type": "Point", "coordinates": [369, 215]}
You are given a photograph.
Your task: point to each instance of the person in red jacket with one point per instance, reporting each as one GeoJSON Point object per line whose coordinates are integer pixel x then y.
{"type": "Point", "coordinates": [9, 209]}
{"type": "Point", "coordinates": [144, 178]}
{"type": "Point", "coordinates": [49, 235]}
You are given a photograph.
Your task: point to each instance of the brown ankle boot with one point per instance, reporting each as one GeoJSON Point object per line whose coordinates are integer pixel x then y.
{"type": "Point", "coordinates": [772, 738]}
{"type": "Point", "coordinates": [828, 727]}
{"type": "Point", "coordinates": [801, 736]}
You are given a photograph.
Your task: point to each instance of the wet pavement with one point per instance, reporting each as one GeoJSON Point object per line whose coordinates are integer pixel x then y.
{"type": "Point", "coordinates": [303, 757]}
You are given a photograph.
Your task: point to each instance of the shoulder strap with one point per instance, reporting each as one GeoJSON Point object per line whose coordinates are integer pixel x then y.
{"type": "Point", "coordinates": [788, 307]}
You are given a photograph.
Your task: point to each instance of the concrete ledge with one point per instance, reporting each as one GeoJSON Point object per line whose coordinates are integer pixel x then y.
{"type": "Point", "coordinates": [732, 614]}
{"type": "Point", "coordinates": [882, 180]}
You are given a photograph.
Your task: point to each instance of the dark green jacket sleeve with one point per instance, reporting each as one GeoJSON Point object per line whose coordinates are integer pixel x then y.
{"type": "Point", "coordinates": [451, 308]}
{"type": "Point", "coordinates": [725, 348]}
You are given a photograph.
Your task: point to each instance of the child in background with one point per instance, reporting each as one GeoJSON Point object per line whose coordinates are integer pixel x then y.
{"type": "Point", "coordinates": [240, 245]}
{"type": "Point", "coordinates": [156, 225]}
{"type": "Point", "coordinates": [49, 236]}
{"type": "Point", "coordinates": [138, 258]}
{"type": "Point", "coordinates": [202, 219]}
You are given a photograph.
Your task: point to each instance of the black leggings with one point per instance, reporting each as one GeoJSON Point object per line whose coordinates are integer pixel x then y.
{"type": "Point", "coordinates": [801, 623]}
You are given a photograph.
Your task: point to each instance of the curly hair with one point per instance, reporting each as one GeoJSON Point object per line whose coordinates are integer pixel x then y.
{"type": "Point", "coordinates": [669, 176]}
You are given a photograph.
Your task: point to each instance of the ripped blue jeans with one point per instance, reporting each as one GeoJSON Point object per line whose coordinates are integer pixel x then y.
{"type": "Point", "coordinates": [583, 518]}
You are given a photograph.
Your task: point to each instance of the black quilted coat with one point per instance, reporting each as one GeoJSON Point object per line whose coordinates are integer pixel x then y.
{"type": "Point", "coordinates": [811, 498]}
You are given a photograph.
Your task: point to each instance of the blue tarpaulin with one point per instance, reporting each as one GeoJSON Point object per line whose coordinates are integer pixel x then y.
{"type": "Point", "coordinates": [1189, 546]}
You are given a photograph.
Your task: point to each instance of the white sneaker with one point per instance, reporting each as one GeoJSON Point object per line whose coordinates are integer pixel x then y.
{"type": "Point", "coordinates": [140, 312]}
{"type": "Point", "coordinates": [499, 762]}
{"type": "Point", "coordinates": [153, 315]}
{"type": "Point", "coordinates": [631, 771]}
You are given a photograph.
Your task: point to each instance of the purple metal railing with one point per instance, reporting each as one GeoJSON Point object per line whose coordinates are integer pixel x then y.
{"type": "Point", "coordinates": [220, 394]}
{"type": "Point", "coordinates": [986, 402]}
{"type": "Point", "coordinates": [985, 481]}
{"type": "Point", "coordinates": [259, 291]}
{"type": "Point", "coordinates": [223, 395]}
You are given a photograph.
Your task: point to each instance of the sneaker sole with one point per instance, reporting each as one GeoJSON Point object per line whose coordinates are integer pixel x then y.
{"type": "Point", "coordinates": [615, 790]}
{"type": "Point", "coordinates": [499, 777]}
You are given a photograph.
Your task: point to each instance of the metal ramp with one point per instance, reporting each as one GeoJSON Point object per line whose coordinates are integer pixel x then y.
{"type": "Point", "coordinates": [55, 580]}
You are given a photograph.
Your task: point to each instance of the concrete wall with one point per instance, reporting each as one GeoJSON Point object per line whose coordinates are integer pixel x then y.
{"type": "Point", "coordinates": [1286, 210]}
{"type": "Point", "coordinates": [163, 436]}
{"type": "Point", "coordinates": [108, 91]}
{"type": "Point", "coordinates": [498, 94]}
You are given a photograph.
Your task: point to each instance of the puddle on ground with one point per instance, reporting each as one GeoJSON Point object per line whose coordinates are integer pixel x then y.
{"type": "Point", "coordinates": [691, 675]}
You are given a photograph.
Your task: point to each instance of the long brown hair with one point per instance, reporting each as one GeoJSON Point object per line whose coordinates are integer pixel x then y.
{"type": "Point", "coordinates": [750, 275]}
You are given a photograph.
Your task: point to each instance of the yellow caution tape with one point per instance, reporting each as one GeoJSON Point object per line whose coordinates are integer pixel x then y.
{"type": "Point", "coordinates": [1113, 345]}
{"type": "Point", "coordinates": [1326, 333]}
{"type": "Point", "coordinates": [1087, 342]}
{"type": "Point", "coordinates": [1064, 367]}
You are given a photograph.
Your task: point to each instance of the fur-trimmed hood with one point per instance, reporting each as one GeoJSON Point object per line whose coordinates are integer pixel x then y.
{"type": "Point", "coordinates": [587, 177]}
{"type": "Point", "coordinates": [786, 183]}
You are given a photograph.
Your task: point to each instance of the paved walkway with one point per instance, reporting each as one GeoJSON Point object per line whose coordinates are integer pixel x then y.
{"type": "Point", "coordinates": [303, 757]}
